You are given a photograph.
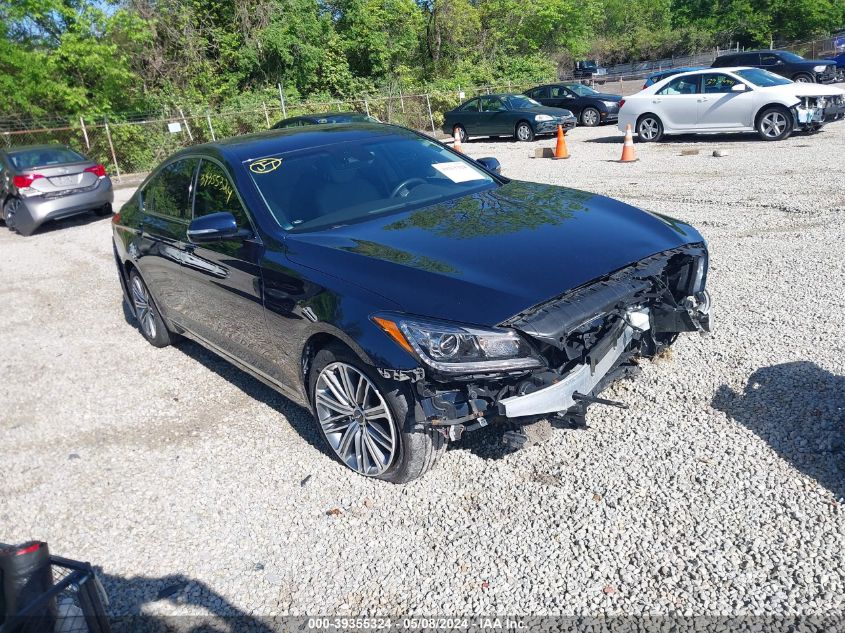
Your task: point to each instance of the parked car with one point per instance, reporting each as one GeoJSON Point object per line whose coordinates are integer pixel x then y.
{"type": "Point", "coordinates": [783, 63]}
{"type": "Point", "coordinates": [505, 115]}
{"type": "Point", "coordinates": [589, 106]}
{"type": "Point", "coordinates": [400, 290]}
{"type": "Point", "coordinates": [39, 183]}
{"type": "Point", "coordinates": [654, 77]}
{"type": "Point", "coordinates": [729, 100]}
{"type": "Point", "coordinates": [587, 68]}
{"type": "Point", "coordinates": [324, 117]}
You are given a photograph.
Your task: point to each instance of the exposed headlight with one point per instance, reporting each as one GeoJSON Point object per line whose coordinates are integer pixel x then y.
{"type": "Point", "coordinates": [455, 349]}
{"type": "Point", "coordinates": [819, 69]}
{"type": "Point", "coordinates": [543, 117]}
{"type": "Point", "coordinates": [611, 104]}
{"type": "Point", "coordinates": [700, 273]}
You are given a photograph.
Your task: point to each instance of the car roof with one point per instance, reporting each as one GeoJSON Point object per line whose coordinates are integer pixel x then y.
{"type": "Point", "coordinates": [280, 141]}
{"type": "Point", "coordinates": [24, 148]}
{"type": "Point", "coordinates": [319, 115]}
{"type": "Point", "coordinates": [702, 71]}
{"type": "Point", "coordinates": [680, 69]}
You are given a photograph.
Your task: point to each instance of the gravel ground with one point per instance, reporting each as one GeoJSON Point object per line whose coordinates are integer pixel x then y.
{"type": "Point", "coordinates": [720, 491]}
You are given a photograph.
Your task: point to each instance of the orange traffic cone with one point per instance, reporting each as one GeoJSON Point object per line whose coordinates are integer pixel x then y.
{"type": "Point", "coordinates": [560, 148]}
{"type": "Point", "coordinates": [628, 153]}
{"type": "Point", "coordinates": [456, 145]}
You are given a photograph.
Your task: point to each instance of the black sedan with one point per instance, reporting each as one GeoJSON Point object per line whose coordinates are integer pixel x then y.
{"type": "Point", "coordinates": [592, 108]}
{"type": "Point", "coordinates": [403, 292]}
{"type": "Point", "coordinates": [505, 115]}
{"type": "Point", "coordinates": [323, 118]}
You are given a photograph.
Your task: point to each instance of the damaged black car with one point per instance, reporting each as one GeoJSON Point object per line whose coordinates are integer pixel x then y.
{"type": "Point", "coordinates": [404, 293]}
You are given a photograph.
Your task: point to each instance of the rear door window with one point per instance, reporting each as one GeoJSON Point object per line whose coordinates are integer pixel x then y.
{"type": "Point", "coordinates": [470, 106]}
{"type": "Point", "coordinates": [492, 104]}
{"type": "Point", "coordinates": [681, 86]}
{"type": "Point", "coordinates": [168, 194]}
{"type": "Point", "coordinates": [769, 59]}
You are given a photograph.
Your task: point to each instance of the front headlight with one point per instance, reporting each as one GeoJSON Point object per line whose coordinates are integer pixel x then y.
{"type": "Point", "coordinates": [819, 69]}
{"type": "Point", "coordinates": [543, 117]}
{"type": "Point", "coordinates": [700, 274]}
{"type": "Point", "coordinates": [611, 104]}
{"type": "Point", "coordinates": [458, 349]}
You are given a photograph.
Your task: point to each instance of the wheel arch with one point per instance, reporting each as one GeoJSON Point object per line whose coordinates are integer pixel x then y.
{"type": "Point", "coordinates": [320, 340]}
{"type": "Point", "coordinates": [766, 106]}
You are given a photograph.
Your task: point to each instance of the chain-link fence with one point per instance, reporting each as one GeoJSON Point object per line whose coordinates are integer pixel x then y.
{"type": "Point", "coordinates": [136, 143]}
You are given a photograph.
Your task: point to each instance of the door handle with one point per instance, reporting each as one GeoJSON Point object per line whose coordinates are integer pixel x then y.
{"type": "Point", "coordinates": [655, 100]}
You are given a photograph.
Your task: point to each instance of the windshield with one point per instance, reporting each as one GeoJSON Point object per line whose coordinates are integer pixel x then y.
{"type": "Point", "coordinates": [791, 57]}
{"type": "Point", "coordinates": [762, 78]}
{"type": "Point", "coordinates": [348, 181]}
{"type": "Point", "coordinates": [44, 157]}
{"type": "Point", "coordinates": [581, 90]}
{"type": "Point", "coordinates": [520, 102]}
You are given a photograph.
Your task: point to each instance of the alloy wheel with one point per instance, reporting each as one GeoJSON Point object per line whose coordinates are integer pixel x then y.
{"type": "Point", "coordinates": [144, 310]}
{"type": "Point", "coordinates": [803, 79]}
{"type": "Point", "coordinates": [773, 124]}
{"type": "Point", "coordinates": [590, 117]}
{"type": "Point", "coordinates": [355, 419]}
{"type": "Point", "coordinates": [649, 129]}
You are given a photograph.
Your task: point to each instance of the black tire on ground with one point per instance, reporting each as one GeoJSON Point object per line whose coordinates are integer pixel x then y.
{"type": "Point", "coordinates": [10, 207]}
{"type": "Point", "coordinates": [524, 132]}
{"type": "Point", "coordinates": [774, 123]}
{"type": "Point", "coordinates": [150, 323]}
{"type": "Point", "coordinates": [803, 78]}
{"type": "Point", "coordinates": [419, 447]}
{"type": "Point", "coordinates": [462, 133]}
{"type": "Point", "coordinates": [590, 117]}
{"type": "Point", "coordinates": [649, 128]}
{"type": "Point", "coordinates": [103, 211]}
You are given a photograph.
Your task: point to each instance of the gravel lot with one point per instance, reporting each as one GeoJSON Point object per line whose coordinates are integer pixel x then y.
{"type": "Point", "coordinates": [199, 490]}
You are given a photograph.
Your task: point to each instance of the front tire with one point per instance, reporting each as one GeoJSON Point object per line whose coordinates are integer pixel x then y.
{"type": "Point", "coordinates": [524, 132]}
{"type": "Point", "coordinates": [774, 123]}
{"type": "Point", "coordinates": [649, 128]}
{"type": "Point", "coordinates": [149, 318]}
{"type": "Point", "coordinates": [368, 422]}
{"type": "Point", "coordinates": [590, 117]}
{"type": "Point", "coordinates": [803, 78]}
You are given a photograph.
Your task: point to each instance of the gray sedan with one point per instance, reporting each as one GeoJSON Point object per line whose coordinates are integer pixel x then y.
{"type": "Point", "coordinates": [49, 182]}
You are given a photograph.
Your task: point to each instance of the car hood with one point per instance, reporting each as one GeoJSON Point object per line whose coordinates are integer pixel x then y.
{"type": "Point", "coordinates": [806, 90]}
{"type": "Point", "coordinates": [604, 97]}
{"type": "Point", "coordinates": [555, 112]}
{"type": "Point", "coordinates": [485, 257]}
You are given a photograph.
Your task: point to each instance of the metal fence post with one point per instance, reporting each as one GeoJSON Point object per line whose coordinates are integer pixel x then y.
{"type": "Point", "coordinates": [282, 99]}
{"type": "Point", "coordinates": [187, 127]}
{"type": "Point", "coordinates": [430, 116]}
{"type": "Point", "coordinates": [266, 116]}
{"type": "Point", "coordinates": [85, 134]}
{"type": "Point", "coordinates": [210, 127]}
{"type": "Point", "coordinates": [401, 101]}
{"type": "Point", "coordinates": [111, 147]}
{"type": "Point", "coordinates": [366, 106]}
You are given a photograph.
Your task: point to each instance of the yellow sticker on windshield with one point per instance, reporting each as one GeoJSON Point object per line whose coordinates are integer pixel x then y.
{"type": "Point", "coordinates": [264, 165]}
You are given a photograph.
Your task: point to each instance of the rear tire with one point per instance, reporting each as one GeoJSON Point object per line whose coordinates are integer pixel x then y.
{"type": "Point", "coordinates": [151, 324]}
{"type": "Point", "coordinates": [524, 132]}
{"type": "Point", "coordinates": [774, 123]}
{"type": "Point", "coordinates": [462, 133]}
{"type": "Point", "coordinates": [400, 449]}
{"type": "Point", "coordinates": [103, 211]}
{"type": "Point", "coordinates": [649, 128]}
{"type": "Point", "coordinates": [10, 207]}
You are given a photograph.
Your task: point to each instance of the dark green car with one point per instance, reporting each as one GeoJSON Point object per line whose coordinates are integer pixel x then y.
{"type": "Point", "coordinates": [505, 115]}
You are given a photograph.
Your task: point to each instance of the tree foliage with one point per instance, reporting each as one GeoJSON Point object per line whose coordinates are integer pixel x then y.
{"type": "Point", "coordinates": [66, 57]}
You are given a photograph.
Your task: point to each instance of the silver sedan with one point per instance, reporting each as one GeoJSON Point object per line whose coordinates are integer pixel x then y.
{"type": "Point", "coordinates": [39, 183]}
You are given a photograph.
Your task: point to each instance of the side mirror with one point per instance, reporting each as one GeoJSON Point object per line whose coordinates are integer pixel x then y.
{"type": "Point", "coordinates": [491, 164]}
{"type": "Point", "coordinates": [215, 227]}
{"type": "Point", "coordinates": [738, 88]}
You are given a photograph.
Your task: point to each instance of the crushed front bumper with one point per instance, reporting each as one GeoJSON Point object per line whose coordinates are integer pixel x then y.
{"type": "Point", "coordinates": [589, 337]}
{"type": "Point", "coordinates": [550, 127]}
